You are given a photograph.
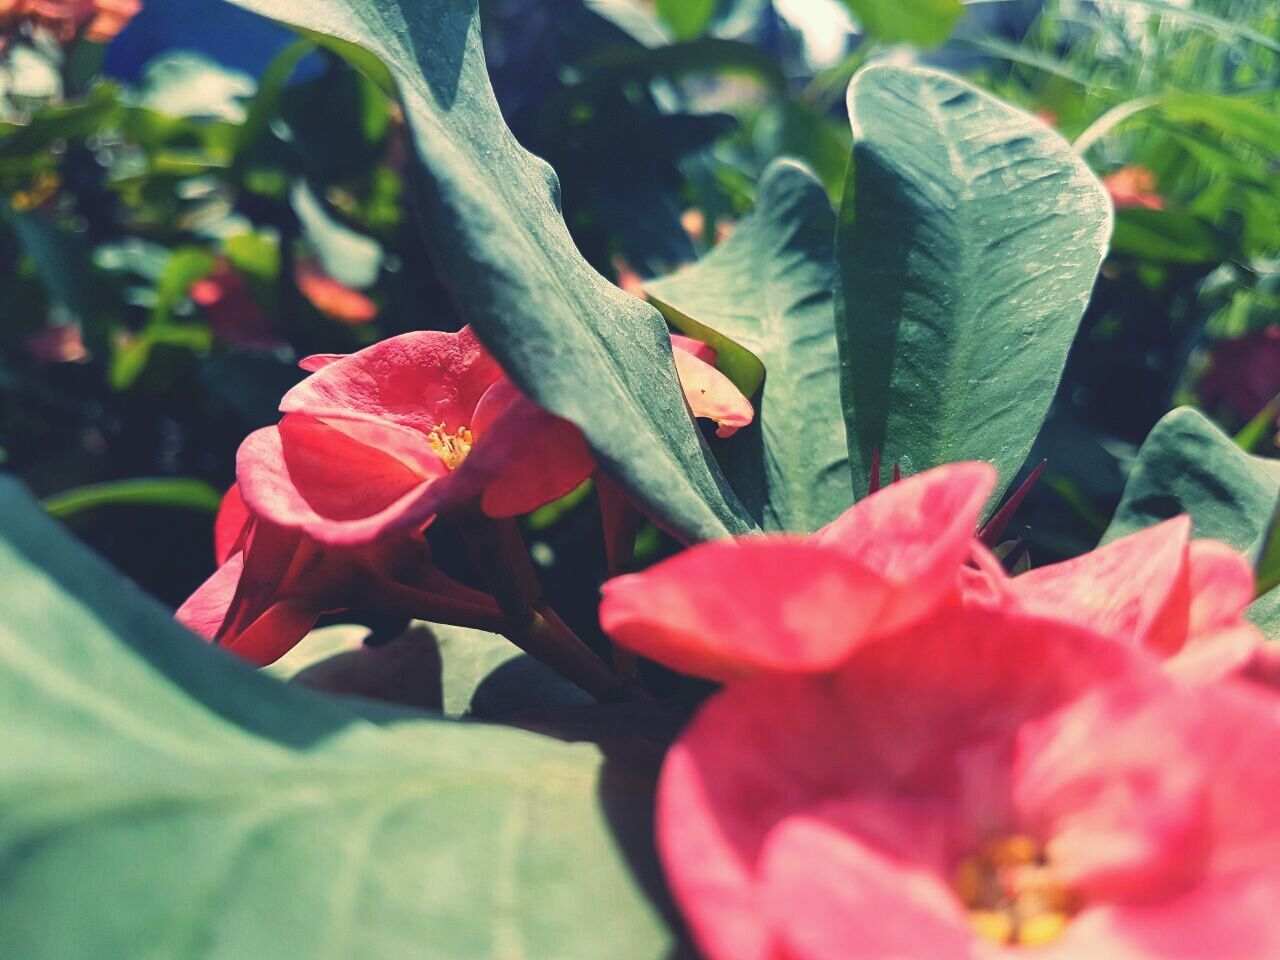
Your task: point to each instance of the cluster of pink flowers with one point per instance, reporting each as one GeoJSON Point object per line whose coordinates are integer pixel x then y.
{"type": "Point", "coordinates": [95, 20]}
{"type": "Point", "coordinates": [913, 754]}
{"type": "Point", "coordinates": [916, 755]}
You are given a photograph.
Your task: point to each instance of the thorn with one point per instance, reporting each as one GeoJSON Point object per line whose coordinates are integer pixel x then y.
{"type": "Point", "coordinates": [990, 534]}
{"type": "Point", "coordinates": [897, 472]}
{"type": "Point", "coordinates": [874, 485]}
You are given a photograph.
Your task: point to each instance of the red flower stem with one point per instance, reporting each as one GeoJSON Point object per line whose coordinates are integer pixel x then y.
{"type": "Point", "coordinates": [437, 608]}
{"type": "Point", "coordinates": [499, 553]}
{"type": "Point", "coordinates": [621, 519]}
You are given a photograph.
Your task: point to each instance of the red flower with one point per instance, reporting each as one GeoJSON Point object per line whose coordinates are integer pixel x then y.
{"type": "Point", "coordinates": [1180, 599]}
{"type": "Point", "coordinates": [329, 504]}
{"type": "Point", "coordinates": [272, 584]}
{"type": "Point", "coordinates": [984, 782]}
{"type": "Point", "coordinates": [234, 315]}
{"type": "Point", "coordinates": [1133, 186]}
{"type": "Point", "coordinates": [332, 298]}
{"type": "Point", "coordinates": [378, 442]}
{"type": "Point", "coordinates": [98, 20]}
{"type": "Point", "coordinates": [728, 609]}
{"type": "Point", "coordinates": [61, 343]}
{"type": "Point", "coordinates": [1244, 374]}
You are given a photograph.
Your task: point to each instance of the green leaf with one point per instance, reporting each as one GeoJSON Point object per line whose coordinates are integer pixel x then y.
{"type": "Point", "coordinates": [970, 236]}
{"type": "Point", "coordinates": [162, 799]}
{"type": "Point", "coordinates": [1268, 563]}
{"type": "Point", "coordinates": [484, 676]}
{"type": "Point", "coordinates": [1166, 236]}
{"type": "Point", "coordinates": [1187, 465]}
{"type": "Point", "coordinates": [926, 23]}
{"type": "Point", "coordinates": [764, 297]}
{"type": "Point", "coordinates": [686, 18]}
{"type": "Point", "coordinates": [182, 492]}
{"type": "Point", "coordinates": [575, 343]}
{"type": "Point", "coordinates": [64, 265]}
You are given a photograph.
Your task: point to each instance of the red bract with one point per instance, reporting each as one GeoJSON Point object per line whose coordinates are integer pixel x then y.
{"type": "Point", "coordinates": [1244, 374]}
{"type": "Point", "coordinates": [728, 609]}
{"type": "Point", "coordinates": [985, 782]}
{"type": "Point", "coordinates": [378, 442]}
{"type": "Point", "coordinates": [98, 20]}
{"type": "Point", "coordinates": [1181, 600]}
{"type": "Point", "coordinates": [234, 314]}
{"type": "Point", "coordinates": [333, 298]}
{"type": "Point", "coordinates": [273, 584]}
{"type": "Point", "coordinates": [1133, 186]}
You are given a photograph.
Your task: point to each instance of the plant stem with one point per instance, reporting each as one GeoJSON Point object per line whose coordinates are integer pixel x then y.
{"type": "Point", "coordinates": [499, 553]}
{"type": "Point", "coordinates": [621, 521]}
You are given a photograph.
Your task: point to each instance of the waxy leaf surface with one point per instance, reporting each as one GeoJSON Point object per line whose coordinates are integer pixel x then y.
{"type": "Point", "coordinates": [970, 236]}
{"type": "Point", "coordinates": [1187, 465]}
{"type": "Point", "coordinates": [159, 798]}
{"type": "Point", "coordinates": [575, 343]}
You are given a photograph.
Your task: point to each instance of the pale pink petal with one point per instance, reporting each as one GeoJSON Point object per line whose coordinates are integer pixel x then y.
{"type": "Point", "coordinates": [712, 395]}
{"type": "Point", "coordinates": [915, 534]}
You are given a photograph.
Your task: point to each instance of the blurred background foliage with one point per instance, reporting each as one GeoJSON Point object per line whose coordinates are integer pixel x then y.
{"type": "Point", "coordinates": [193, 205]}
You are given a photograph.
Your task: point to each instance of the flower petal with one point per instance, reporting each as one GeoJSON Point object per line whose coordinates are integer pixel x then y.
{"type": "Point", "coordinates": [523, 458]}
{"type": "Point", "coordinates": [418, 380]}
{"type": "Point", "coordinates": [205, 611]}
{"type": "Point", "coordinates": [277, 631]}
{"type": "Point", "coordinates": [832, 897]}
{"type": "Point", "coordinates": [712, 395]}
{"type": "Point", "coordinates": [313, 476]}
{"type": "Point", "coordinates": [915, 534]}
{"type": "Point", "coordinates": [728, 609]}
{"type": "Point", "coordinates": [932, 714]}
{"type": "Point", "coordinates": [1136, 588]}
{"type": "Point", "coordinates": [229, 525]}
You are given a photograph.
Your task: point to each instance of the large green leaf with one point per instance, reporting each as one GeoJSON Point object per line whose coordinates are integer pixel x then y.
{"type": "Point", "coordinates": [578, 345]}
{"type": "Point", "coordinates": [1187, 465]}
{"type": "Point", "coordinates": [160, 799]}
{"type": "Point", "coordinates": [764, 296]}
{"type": "Point", "coordinates": [970, 236]}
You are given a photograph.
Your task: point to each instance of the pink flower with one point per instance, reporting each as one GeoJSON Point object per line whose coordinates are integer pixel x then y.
{"type": "Point", "coordinates": [1133, 186]}
{"type": "Point", "coordinates": [983, 783]}
{"type": "Point", "coordinates": [1244, 374]}
{"type": "Point", "coordinates": [332, 298]}
{"type": "Point", "coordinates": [729, 609]}
{"type": "Point", "coordinates": [234, 314]}
{"type": "Point", "coordinates": [379, 442]}
{"type": "Point", "coordinates": [61, 343]}
{"type": "Point", "coordinates": [98, 20]}
{"type": "Point", "coordinates": [272, 584]}
{"type": "Point", "coordinates": [1181, 600]}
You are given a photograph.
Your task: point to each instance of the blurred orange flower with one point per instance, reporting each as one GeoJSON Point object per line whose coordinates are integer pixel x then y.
{"type": "Point", "coordinates": [332, 298]}
{"type": "Point", "coordinates": [95, 20]}
{"type": "Point", "coordinates": [1133, 186]}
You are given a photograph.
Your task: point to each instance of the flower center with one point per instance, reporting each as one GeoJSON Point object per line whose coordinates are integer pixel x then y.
{"type": "Point", "coordinates": [453, 447]}
{"type": "Point", "coordinates": [1011, 893]}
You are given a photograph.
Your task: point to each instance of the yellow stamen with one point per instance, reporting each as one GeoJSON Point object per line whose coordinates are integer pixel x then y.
{"type": "Point", "coordinates": [1042, 928]}
{"type": "Point", "coordinates": [453, 447]}
{"type": "Point", "coordinates": [1011, 893]}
